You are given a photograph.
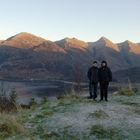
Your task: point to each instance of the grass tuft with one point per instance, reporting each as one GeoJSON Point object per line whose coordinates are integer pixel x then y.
{"type": "Point", "coordinates": [125, 92]}
{"type": "Point", "coordinates": [10, 125]}
{"type": "Point", "coordinates": [106, 133]}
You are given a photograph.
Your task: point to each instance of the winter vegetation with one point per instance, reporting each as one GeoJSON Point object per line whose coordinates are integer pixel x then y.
{"type": "Point", "coordinates": [71, 117]}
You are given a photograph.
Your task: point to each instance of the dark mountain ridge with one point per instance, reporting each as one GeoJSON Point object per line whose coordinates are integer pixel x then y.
{"type": "Point", "coordinates": [26, 56]}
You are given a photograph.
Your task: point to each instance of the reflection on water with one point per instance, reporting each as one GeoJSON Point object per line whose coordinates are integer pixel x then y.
{"type": "Point", "coordinates": [50, 89]}
{"type": "Point", "coordinates": [37, 89]}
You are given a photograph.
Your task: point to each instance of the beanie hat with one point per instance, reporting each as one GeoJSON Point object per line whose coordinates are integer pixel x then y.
{"type": "Point", "coordinates": [94, 62]}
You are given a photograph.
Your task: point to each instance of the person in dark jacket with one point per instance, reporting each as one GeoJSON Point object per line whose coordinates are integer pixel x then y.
{"type": "Point", "coordinates": [93, 80]}
{"type": "Point", "coordinates": [105, 76]}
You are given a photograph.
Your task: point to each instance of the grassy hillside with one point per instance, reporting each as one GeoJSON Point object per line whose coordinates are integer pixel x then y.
{"type": "Point", "coordinates": [73, 117]}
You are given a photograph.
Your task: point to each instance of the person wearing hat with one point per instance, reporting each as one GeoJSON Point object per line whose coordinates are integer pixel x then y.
{"type": "Point", "coordinates": [105, 76]}
{"type": "Point", "coordinates": [93, 80]}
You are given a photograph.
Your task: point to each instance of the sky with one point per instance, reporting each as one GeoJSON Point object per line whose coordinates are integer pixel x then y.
{"type": "Point", "coordinates": [87, 20]}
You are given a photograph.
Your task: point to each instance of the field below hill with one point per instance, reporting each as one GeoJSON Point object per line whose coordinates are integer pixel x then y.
{"type": "Point", "coordinates": [74, 117]}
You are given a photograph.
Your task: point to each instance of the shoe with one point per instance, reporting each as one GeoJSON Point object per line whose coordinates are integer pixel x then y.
{"type": "Point", "coordinates": [101, 99]}
{"type": "Point", "coordinates": [94, 99]}
{"type": "Point", "coordinates": [89, 97]}
{"type": "Point", "coordinates": [95, 96]}
{"type": "Point", "coordinates": [106, 100]}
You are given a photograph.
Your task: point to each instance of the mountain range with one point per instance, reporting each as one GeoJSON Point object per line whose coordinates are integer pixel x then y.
{"type": "Point", "coordinates": [26, 56]}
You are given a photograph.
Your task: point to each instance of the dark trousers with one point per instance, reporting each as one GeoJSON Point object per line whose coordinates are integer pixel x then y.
{"type": "Point", "coordinates": [104, 90]}
{"type": "Point", "coordinates": [93, 89]}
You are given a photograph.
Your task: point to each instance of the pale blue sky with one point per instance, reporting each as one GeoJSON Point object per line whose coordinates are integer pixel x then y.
{"type": "Point", "coordinates": [87, 20]}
